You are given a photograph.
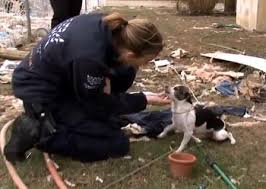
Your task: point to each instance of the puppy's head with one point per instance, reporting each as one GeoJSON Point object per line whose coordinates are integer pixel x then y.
{"type": "Point", "coordinates": [179, 93]}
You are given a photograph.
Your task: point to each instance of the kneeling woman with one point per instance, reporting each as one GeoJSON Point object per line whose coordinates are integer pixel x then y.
{"type": "Point", "coordinates": [73, 86]}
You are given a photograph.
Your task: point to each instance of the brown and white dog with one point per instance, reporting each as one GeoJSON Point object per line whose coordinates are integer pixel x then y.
{"type": "Point", "coordinates": [188, 118]}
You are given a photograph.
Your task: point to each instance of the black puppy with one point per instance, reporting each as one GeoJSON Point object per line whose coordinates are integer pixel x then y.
{"type": "Point", "coordinates": [25, 133]}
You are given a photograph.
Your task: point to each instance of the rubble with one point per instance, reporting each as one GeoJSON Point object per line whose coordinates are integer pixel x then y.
{"type": "Point", "coordinates": [10, 107]}
{"type": "Point", "coordinates": [178, 53]}
{"type": "Point", "coordinates": [99, 179]}
{"type": "Point", "coordinates": [6, 71]}
{"type": "Point", "coordinates": [251, 86]}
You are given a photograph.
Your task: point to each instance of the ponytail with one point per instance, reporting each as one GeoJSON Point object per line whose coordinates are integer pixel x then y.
{"type": "Point", "coordinates": [115, 21]}
{"type": "Point", "coordinates": [138, 35]}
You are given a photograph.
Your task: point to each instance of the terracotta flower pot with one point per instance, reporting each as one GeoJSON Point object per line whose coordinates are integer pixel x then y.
{"type": "Point", "coordinates": [181, 164]}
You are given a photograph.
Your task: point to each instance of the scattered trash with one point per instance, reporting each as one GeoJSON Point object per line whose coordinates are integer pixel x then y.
{"type": "Point", "coordinates": [173, 186]}
{"type": "Point", "coordinates": [204, 93]}
{"type": "Point", "coordinates": [259, 109]}
{"type": "Point", "coordinates": [251, 85]}
{"type": "Point", "coordinates": [140, 139]}
{"type": "Point", "coordinates": [201, 28]}
{"type": "Point", "coordinates": [209, 179]}
{"type": "Point", "coordinates": [3, 35]}
{"type": "Point", "coordinates": [227, 88]}
{"type": "Point", "coordinates": [133, 129]}
{"type": "Point", "coordinates": [178, 53]}
{"type": "Point", "coordinates": [5, 79]}
{"type": "Point", "coordinates": [220, 79]}
{"type": "Point", "coordinates": [49, 178]}
{"type": "Point", "coordinates": [70, 184]}
{"type": "Point", "coordinates": [139, 84]}
{"type": "Point", "coordinates": [6, 71]}
{"type": "Point", "coordinates": [98, 179]}
{"type": "Point", "coordinates": [170, 69]}
{"type": "Point", "coordinates": [209, 73]}
{"type": "Point", "coordinates": [161, 66]}
{"type": "Point", "coordinates": [186, 77]}
{"type": "Point", "coordinates": [202, 186]}
{"type": "Point", "coordinates": [245, 124]}
{"type": "Point", "coordinates": [147, 70]}
{"type": "Point", "coordinates": [148, 81]}
{"type": "Point", "coordinates": [128, 157]}
{"type": "Point", "coordinates": [255, 62]}
{"type": "Point", "coordinates": [141, 160]}
{"type": "Point", "coordinates": [234, 181]}
{"type": "Point", "coordinates": [10, 107]}
{"type": "Point", "coordinates": [236, 75]}
{"type": "Point", "coordinates": [161, 63]}
{"type": "Point", "coordinates": [8, 66]}
{"type": "Point", "coordinates": [204, 75]}
{"type": "Point", "coordinates": [149, 154]}
{"type": "Point", "coordinates": [28, 155]}
{"type": "Point", "coordinates": [221, 25]}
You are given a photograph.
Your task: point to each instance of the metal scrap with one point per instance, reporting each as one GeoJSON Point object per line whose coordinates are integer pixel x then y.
{"type": "Point", "coordinates": [255, 62]}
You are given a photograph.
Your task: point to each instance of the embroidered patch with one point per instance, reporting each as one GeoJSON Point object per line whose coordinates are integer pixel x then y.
{"type": "Point", "coordinates": [56, 34]}
{"type": "Point", "coordinates": [93, 82]}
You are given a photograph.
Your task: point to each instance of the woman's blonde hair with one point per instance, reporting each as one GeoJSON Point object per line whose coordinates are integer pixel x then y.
{"type": "Point", "coordinates": [138, 35]}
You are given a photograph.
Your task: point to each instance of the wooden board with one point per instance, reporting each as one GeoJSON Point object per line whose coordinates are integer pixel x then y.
{"type": "Point", "coordinates": [254, 62]}
{"type": "Point", "coordinates": [12, 54]}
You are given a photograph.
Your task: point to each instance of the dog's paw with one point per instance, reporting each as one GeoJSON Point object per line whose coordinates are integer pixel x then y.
{"type": "Point", "coordinates": [178, 150]}
{"type": "Point", "coordinates": [196, 139]}
{"type": "Point", "coordinates": [231, 138]}
{"type": "Point", "coordinates": [233, 142]}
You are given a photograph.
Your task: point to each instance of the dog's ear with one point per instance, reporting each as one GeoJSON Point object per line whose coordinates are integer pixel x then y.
{"type": "Point", "coordinates": [187, 95]}
{"type": "Point", "coordinates": [189, 98]}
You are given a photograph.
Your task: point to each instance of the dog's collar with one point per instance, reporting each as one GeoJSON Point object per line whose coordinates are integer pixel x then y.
{"type": "Point", "coordinates": [173, 112]}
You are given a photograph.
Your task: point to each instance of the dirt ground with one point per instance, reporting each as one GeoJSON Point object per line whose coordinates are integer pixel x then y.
{"type": "Point", "coordinates": [245, 162]}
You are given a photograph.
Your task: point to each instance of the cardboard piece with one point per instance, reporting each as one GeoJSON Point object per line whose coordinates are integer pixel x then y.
{"type": "Point", "coordinates": [254, 62]}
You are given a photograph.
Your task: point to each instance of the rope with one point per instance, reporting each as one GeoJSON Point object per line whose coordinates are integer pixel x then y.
{"type": "Point", "coordinates": [138, 169]}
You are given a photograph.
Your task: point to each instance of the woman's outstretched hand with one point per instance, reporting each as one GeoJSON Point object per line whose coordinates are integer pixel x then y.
{"type": "Point", "coordinates": [158, 99]}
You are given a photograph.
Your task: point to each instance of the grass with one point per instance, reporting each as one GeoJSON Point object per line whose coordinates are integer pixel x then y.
{"type": "Point", "coordinates": [236, 161]}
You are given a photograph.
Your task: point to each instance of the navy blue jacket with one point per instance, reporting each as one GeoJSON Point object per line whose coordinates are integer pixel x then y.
{"type": "Point", "coordinates": [71, 64]}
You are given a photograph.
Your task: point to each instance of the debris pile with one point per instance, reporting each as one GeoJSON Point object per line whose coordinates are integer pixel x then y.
{"type": "Point", "coordinates": [10, 107]}
{"type": "Point", "coordinates": [6, 70]}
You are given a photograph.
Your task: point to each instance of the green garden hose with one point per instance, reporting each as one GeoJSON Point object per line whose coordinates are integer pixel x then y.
{"type": "Point", "coordinates": [216, 168]}
{"type": "Point", "coordinates": [220, 172]}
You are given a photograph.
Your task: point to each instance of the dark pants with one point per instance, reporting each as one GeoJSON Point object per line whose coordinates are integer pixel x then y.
{"type": "Point", "coordinates": [64, 9]}
{"type": "Point", "coordinates": [83, 137]}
